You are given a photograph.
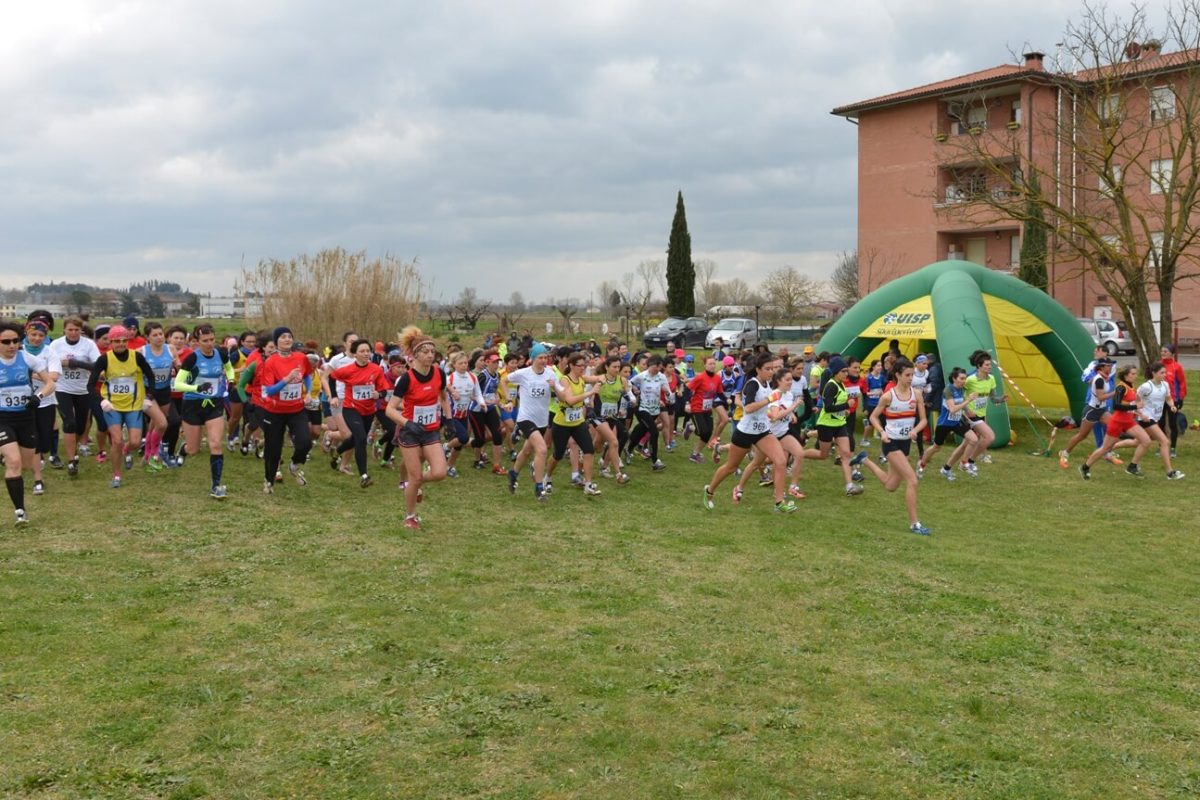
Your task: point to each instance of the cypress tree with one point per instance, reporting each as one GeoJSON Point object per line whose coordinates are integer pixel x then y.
{"type": "Point", "coordinates": [1032, 268]}
{"type": "Point", "coordinates": [681, 272]}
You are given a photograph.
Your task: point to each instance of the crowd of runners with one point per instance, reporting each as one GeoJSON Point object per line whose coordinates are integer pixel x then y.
{"type": "Point", "coordinates": [161, 397]}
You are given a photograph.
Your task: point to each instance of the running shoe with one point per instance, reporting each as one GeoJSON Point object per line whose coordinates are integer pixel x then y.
{"type": "Point", "coordinates": [859, 457]}
{"type": "Point", "coordinates": [22, 517]}
{"type": "Point", "coordinates": [696, 458]}
{"type": "Point", "coordinates": [1173, 475]}
{"type": "Point", "coordinates": [795, 492]}
{"type": "Point", "coordinates": [920, 472]}
{"type": "Point", "coordinates": [918, 529]}
{"type": "Point", "coordinates": [856, 475]}
{"type": "Point", "coordinates": [298, 474]}
{"type": "Point", "coordinates": [786, 507]}
{"type": "Point", "coordinates": [478, 464]}
{"type": "Point", "coordinates": [947, 473]}
{"type": "Point", "coordinates": [154, 465]}
{"type": "Point", "coordinates": [542, 497]}
{"type": "Point", "coordinates": [84, 450]}
{"type": "Point", "coordinates": [56, 462]}
{"type": "Point", "coordinates": [864, 443]}
{"type": "Point", "coordinates": [658, 466]}
{"type": "Point", "coordinates": [766, 480]}
{"type": "Point", "coordinates": [708, 498]}
{"type": "Point", "coordinates": [577, 480]}
{"type": "Point", "coordinates": [1113, 458]}
{"type": "Point", "coordinates": [644, 452]}
{"type": "Point", "coordinates": [217, 493]}
{"type": "Point", "coordinates": [717, 454]}
{"type": "Point", "coordinates": [548, 487]}
{"type": "Point", "coordinates": [364, 481]}
{"type": "Point", "coordinates": [412, 522]}
{"type": "Point", "coordinates": [1135, 471]}
{"type": "Point", "coordinates": [512, 481]}
{"type": "Point", "coordinates": [334, 463]}
{"type": "Point", "coordinates": [1085, 471]}
{"type": "Point", "coordinates": [40, 488]}
{"type": "Point", "coordinates": [102, 457]}
{"type": "Point", "coordinates": [268, 487]}
{"type": "Point", "coordinates": [622, 479]}
{"type": "Point", "coordinates": [687, 430]}
{"type": "Point", "coordinates": [591, 490]}
{"type": "Point", "coordinates": [737, 496]}
{"type": "Point", "coordinates": [115, 483]}
{"type": "Point", "coordinates": [1064, 459]}
{"type": "Point", "coordinates": [970, 469]}
{"type": "Point", "coordinates": [987, 458]}
{"type": "Point", "coordinates": [451, 472]}
{"type": "Point", "coordinates": [499, 470]}
{"type": "Point", "coordinates": [1173, 453]}
{"type": "Point", "coordinates": [853, 489]}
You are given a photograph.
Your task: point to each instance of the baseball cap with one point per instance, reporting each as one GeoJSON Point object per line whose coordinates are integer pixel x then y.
{"type": "Point", "coordinates": [678, 352]}
{"type": "Point", "coordinates": [808, 350]}
{"type": "Point", "coordinates": [728, 361]}
{"type": "Point", "coordinates": [689, 357]}
{"type": "Point", "coordinates": [921, 359]}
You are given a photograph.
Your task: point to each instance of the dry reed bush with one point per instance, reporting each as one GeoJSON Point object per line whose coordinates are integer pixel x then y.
{"type": "Point", "coordinates": [323, 295]}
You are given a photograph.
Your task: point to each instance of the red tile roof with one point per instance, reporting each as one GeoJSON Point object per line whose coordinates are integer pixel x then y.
{"type": "Point", "coordinates": [1005, 73]}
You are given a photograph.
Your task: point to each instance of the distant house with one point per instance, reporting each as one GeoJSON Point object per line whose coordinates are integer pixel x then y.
{"type": "Point", "coordinates": [239, 307]}
{"type": "Point", "coordinates": [827, 309]}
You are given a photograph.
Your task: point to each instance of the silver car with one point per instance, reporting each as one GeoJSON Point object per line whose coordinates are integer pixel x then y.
{"type": "Point", "coordinates": [736, 332]}
{"type": "Point", "coordinates": [1109, 334]}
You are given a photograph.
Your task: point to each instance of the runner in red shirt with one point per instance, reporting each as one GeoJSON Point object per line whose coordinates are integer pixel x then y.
{"type": "Point", "coordinates": [284, 378]}
{"type": "Point", "coordinates": [706, 387]}
{"type": "Point", "coordinates": [359, 385]}
{"type": "Point", "coordinates": [419, 405]}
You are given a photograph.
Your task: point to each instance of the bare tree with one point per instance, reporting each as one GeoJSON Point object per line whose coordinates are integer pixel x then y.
{"type": "Point", "coordinates": [653, 275]}
{"type": "Point", "coordinates": [844, 280]}
{"type": "Point", "coordinates": [470, 308]}
{"type": "Point", "coordinates": [606, 291]}
{"type": "Point", "coordinates": [508, 315]}
{"type": "Point", "coordinates": [706, 271]}
{"type": "Point", "coordinates": [637, 297]}
{"type": "Point", "coordinates": [566, 308]}
{"type": "Point", "coordinates": [1123, 203]}
{"type": "Point", "coordinates": [738, 293]}
{"type": "Point", "coordinates": [788, 291]}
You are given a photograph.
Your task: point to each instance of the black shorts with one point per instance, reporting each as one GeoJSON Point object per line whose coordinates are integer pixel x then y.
{"type": "Point", "coordinates": [74, 410]}
{"type": "Point", "coordinates": [199, 412]}
{"type": "Point", "coordinates": [426, 437]}
{"type": "Point", "coordinates": [944, 432]}
{"type": "Point", "coordinates": [1094, 415]}
{"type": "Point", "coordinates": [897, 446]}
{"type": "Point", "coordinates": [746, 440]}
{"type": "Point", "coordinates": [1146, 423]}
{"type": "Point", "coordinates": [827, 433]}
{"type": "Point", "coordinates": [526, 428]}
{"type": "Point", "coordinates": [563, 434]}
{"type": "Point", "coordinates": [19, 428]}
{"type": "Point", "coordinates": [161, 396]}
{"type": "Point", "coordinates": [314, 416]}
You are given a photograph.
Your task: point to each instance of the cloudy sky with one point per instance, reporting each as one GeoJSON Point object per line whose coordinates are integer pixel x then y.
{"type": "Point", "coordinates": [515, 145]}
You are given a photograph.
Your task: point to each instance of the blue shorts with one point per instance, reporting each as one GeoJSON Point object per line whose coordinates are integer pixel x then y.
{"type": "Point", "coordinates": [508, 415]}
{"type": "Point", "coordinates": [130, 419]}
{"type": "Point", "coordinates": [460, 429]}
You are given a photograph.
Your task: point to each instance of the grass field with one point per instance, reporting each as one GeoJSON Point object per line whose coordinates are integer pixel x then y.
{"type": "Point", "coordinates": [1041, 644]}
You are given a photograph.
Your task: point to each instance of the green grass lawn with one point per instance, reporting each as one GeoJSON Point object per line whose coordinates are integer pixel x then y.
{"type": "Point", "coordinates": [1041, 644]}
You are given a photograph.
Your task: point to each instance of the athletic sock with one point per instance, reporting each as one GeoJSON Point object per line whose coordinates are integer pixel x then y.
{"type": "Point", "coordinates": [215, 465]}
{"type": "Point", "coordinates": [16, 490]}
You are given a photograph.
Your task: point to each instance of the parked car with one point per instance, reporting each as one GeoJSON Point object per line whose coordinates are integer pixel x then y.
{"type": "Point", "coordinates": [1109, 333]}
{"type": "Point", "coordinates": [736, 332]}
{"type": "Point", "coordinates": [684, 332]}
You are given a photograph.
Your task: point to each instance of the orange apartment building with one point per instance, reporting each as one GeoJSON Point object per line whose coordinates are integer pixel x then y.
{"type": "Point", "coordinates": [914, 186]}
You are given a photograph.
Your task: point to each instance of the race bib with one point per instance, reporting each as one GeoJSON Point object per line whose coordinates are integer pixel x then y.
{"type": "Point", "coordinates": [162, 376]}
{"type": "Point", "coordinates": [706, 404]}
{"type": "Point", "coordinates": [122, 387]}
{"type": "Point", "coordinates": [426, 415]}
{"type": "Point", "coordinates": [538, 391]}
{"type": "Point", "coordinates": [511, 393]}
{"type": "Point", "coordinates": [312, 404]}
{"type": "Point", "coordinates": [75, 374]}
{"type": "Point", "coordinates": [13, 396]}
{"type": "Point", "coordinates": [289, 393]}
{"type": "Point", "coordinates": [758, 426]}
{"type": "Point", "coordinates": [208, 387]}
{"type": "Point", "coordinates": [362, 392]}
{"type": "Point", "coordinates": [608, 410]}
{"type": "Point", "coordinates": [980, 403]}
{"type": "Point", "coordinates": [490, 398]}
{"type": "Point", "coordinates": [573, 414]}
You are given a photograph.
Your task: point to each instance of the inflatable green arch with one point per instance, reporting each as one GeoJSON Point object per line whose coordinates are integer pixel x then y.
{"type": "Point", "coordinates": [954, 308]}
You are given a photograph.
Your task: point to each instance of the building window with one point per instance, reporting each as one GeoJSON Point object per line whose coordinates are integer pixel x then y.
{"type": "Point", "coordinates": [977, 117]}
{"type": "Point", "coordinates": [1161, 170]}
{"type": "Point", "coordinates": [1015, 114]}
{"type": "Point", "coordinates": [1110, 109]}
{"type": "Point", "coordinates": [1162, 103]}
{"type": "Point", "coordinates": [1014, 251]}
{"type": "Point", "coordinates": [1106, 188]}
